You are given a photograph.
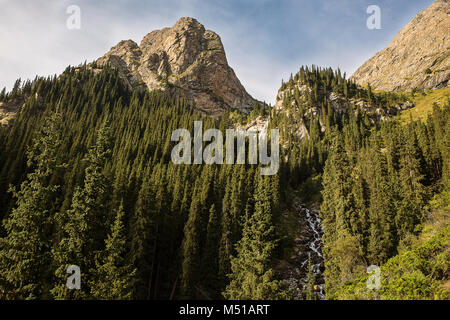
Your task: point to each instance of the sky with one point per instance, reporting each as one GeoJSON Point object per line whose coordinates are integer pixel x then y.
{"type": "Point", "coordinates": [265, 40]}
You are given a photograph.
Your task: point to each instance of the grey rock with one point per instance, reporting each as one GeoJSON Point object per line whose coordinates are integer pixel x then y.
{"type": "Point", "coordinates": [418, 57]}
{"type": "Point", "coordinates": [186, 60]}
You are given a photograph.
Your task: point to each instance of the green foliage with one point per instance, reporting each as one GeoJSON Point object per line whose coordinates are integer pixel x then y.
{"type": "Point", "coordinates": [25, 250]}
{"type": "Point", "coordinates": [113, 276]}
{"type": "Point", "coordinates": [251, 276]}
{"type": "Point", "coordinates": [310, 282]}
{"type": "Point", "coordinates": [82, 225]}
{"type": "Point", "coordinates": [141, 227]}
{"type": "Point", "coordinates": [418, 274]}
{"type": "Point", "coordinates": [123, 212]}
{"type": "Point", "coordinates": [374, 203]}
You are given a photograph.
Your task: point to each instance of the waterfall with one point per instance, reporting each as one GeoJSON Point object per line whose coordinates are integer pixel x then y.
{"type": "Point", "coordinates": [314, 248]}
{"type": "Point", "coordinates": [308, 246]}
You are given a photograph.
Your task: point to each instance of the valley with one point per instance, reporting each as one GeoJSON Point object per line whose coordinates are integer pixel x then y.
{"type": "Point", "coordinates": [116, 166]}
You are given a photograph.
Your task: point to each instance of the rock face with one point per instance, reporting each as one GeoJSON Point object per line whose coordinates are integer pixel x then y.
{"type": "Point", "coordinates": [9, 110]}
{"type": "Point", "coordinates": [185, 59]}
{"type": "Point", "coordinates": [418, 57]}
{"type": "Point", "coordinates": [298, 122]}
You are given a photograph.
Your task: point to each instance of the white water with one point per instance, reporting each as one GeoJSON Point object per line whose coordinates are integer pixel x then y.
{"type": "Point", "coordinates": [314, 248]}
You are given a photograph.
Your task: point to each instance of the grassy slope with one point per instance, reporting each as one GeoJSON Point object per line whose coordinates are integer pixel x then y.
{"type": "Point", "coordinates": [424, 103]}
{"type": "Point", "coordinates": [418, 273]}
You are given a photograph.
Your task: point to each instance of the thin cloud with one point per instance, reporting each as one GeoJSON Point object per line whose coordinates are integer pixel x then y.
{"type": "Point", "coordinates": [265, 41]}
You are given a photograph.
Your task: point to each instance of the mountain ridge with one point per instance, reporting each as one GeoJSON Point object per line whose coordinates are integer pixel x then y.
{"type": "Point", "coordinates": [185, 59]}
{"type": "Point", "coordinates": [417, 58]}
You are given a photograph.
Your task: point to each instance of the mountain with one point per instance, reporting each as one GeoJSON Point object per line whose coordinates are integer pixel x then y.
{"type": "Point", "coordinates": [186, 60]}
{"type": "Point", "coordinates": [9, 109]}
{"type": "Point", "coordinates": [418, 57]}
{"type": "Point", "coordinates": [317, 94]}
{"type": "Point", "coordinates": [87, 179]}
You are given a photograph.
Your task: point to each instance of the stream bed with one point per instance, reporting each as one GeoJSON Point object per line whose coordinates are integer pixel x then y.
{"type": "Point", "coordinates": [307, 246]}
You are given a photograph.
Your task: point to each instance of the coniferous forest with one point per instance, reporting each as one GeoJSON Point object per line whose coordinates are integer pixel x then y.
{"type": "Point", "coordinates": [86, 178]}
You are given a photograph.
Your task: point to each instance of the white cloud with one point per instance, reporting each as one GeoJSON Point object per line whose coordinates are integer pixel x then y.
{"type": "Point", "coordinates": [261, 48]}
{"type": "Point", "coordinates": [36, 41]}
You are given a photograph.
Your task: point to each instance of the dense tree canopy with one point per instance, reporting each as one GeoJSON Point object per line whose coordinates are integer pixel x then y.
{"type": "Point", "coordinates": [93, 185]}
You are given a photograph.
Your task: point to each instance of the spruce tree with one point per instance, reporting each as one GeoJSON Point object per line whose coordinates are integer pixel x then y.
{"type": "Point", "coordinates": [336, 210]}
{"type": "Point", "coordinates": [142, 247]}
{"type": "Point", "coordinates": [24, 252]}
{"type": "Point", "coordinates": [83, 224]}
{"type": "Point", "coordinates": [382, 235]}
{"type": "Point", "coordinates": [413, 191]}
{"type": "Point", "coordinates": [210, 255]}
{"type": "Point", "coordinates": [225, 245]}
{"type": "Point", "coordinates": [252, 276]}
{"type": "Point", "coordinates": [191, 246]}
{"type": "Point", "coordinates": [113, 275]}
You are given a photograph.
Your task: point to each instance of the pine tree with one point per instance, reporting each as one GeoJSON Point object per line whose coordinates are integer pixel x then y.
{"type": "Point", "coordinates": [412, 190]}
{"type": "Point", "coordinates": [113, 275]}
{"type": "Point", "coordinates": [24, 252]}
{"type": "Point", "coordinates": [225, 245]}
{"type": "Point", "coordinates": [83, 232]}
{"type": "Point", "coordinates": [210, 255]}
{"type": "Point", "coordinates": [191, 246]}
{"type": "Point", "coordinates": [381, 242]}
{"type": "Point", "coordinates": [251, 277]}
{"type": "Point", "coordinates": [142, 248]}
{"type": "Point", "coordinates": [336, 212]}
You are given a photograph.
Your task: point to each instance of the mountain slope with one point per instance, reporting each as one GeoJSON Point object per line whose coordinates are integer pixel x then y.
{"type": "Point", "coordinates": [424, 103]}
{"type": "Point", "coordinates": [418, 57]}
{"type": "Point", "coordinates": [420, 272]}
{"type": "Point", "coordinates": [185, 59]}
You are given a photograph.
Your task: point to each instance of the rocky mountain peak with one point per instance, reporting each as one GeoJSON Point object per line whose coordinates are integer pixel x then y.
{"type": "Point", "coordinates": [185, 59]}
{"type": "Point", "coordinates": [418, 57]}
{"type": "Point", "coordinates": [188, 24]}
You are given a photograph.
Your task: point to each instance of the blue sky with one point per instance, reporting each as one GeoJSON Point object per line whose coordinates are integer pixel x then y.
{"type": "Point", "coordinates": [265, 40]}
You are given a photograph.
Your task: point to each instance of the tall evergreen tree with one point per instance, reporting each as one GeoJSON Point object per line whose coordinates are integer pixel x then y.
{"type": "Point", "coordinates": [83, 224]}
{"type": "Point", "coordinates": [143, 242]}
{"type": "Point", "coordinates": [252, 277]}
{"type": "Point", "coordinates": [25, 251]}
{"type": "Point", "coordinates": [413, 192]}
{"type": "Point", "coordinates": [113, 275]}
{"type": "Point", "coordinates": [210, 255]}
{"type": "Point", "coordinates": [336, 210]}
{"type": "Point", "coordinates": [191, 246]}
